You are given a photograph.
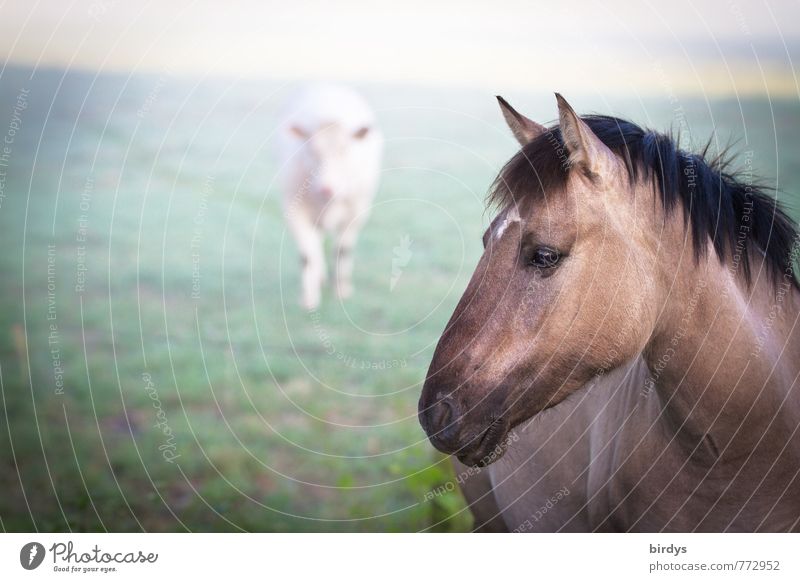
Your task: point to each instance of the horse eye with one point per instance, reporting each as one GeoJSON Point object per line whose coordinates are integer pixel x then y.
{"type": "Point", "coordinates": [545, 258]}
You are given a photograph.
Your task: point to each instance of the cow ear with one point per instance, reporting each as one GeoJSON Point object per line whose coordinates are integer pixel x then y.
{"type": "Point", "coordinates": [361, 133]}
{"type": "Point", "coordinates": [299, 132]}
{"type": "Point", "coordinates": [586, 151]}
{"type": "Point", "coordinates": [524, 129]}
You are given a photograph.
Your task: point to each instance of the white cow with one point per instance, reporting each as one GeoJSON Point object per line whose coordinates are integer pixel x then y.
{"type": "Point", "coordinates": [330, 151]}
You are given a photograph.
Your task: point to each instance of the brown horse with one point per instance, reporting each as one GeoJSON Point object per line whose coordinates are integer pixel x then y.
{"type": "Point", "coordinates": [626, 354]}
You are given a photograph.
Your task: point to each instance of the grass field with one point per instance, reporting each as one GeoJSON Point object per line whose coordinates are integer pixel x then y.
{"type": "Point", "coordinates": [157, 373]}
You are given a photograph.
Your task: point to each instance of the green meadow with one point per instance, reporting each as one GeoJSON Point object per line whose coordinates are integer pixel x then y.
{"type": "Point", "coordinates": [157, 372]}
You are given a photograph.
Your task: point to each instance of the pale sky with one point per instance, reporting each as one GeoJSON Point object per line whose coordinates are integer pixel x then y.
{"type": "Point", "coordinates": [700, 46]}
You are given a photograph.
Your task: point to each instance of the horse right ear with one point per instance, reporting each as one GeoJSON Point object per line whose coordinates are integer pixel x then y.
{"type": "Point", "coordinates": [524, 129]}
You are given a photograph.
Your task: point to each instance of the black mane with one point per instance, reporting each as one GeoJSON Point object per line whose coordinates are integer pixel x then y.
{"type": "Point", "coordinates": [738, 216]}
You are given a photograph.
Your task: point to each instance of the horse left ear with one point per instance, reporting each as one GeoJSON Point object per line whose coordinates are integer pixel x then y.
{"type": "Point", "coordinates": [586, 151]}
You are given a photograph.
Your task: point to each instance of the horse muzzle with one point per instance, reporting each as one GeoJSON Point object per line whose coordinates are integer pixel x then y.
{"type": "Point", "coordinates": [451, 432]}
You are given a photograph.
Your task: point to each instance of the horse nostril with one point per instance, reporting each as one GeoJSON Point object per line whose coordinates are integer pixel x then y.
{"type": "Point", "coordinates": [442, 414]}
{"type": "Point", "coordinates": [442, 425]}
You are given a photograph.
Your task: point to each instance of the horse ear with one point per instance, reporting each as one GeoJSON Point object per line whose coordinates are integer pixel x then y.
{"type": "Point", "coordinates": [523, 128]}
{"type": "Point", "coordinates": [585, 148]}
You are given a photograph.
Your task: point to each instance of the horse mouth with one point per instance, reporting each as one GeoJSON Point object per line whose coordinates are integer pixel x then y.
{"type": "Point", "coordinates": [491, 445]}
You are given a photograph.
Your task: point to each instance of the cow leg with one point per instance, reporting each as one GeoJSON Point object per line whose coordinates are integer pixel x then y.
{"type": "Point", "coordinates": [312, 257]}
{"type": "Point", "coordinates": [345, 242]}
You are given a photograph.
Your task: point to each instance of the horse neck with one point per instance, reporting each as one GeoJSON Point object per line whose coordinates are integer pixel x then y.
{"type": "Point", "coordinates": [725, 359]}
